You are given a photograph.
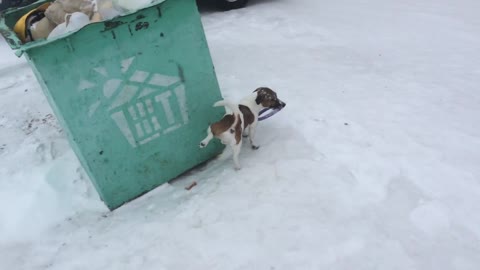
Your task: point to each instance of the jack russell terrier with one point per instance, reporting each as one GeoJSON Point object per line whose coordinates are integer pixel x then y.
{"type": "Point", "coordinates": [244, 115]}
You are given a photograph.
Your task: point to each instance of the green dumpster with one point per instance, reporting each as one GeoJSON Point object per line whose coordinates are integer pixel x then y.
{"type": "Point", "coordinates": [134, 94]}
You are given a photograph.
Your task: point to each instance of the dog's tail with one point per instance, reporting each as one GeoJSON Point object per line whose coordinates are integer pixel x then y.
{"type": "Point", "coordinates": [229, 105]}
{"type": "Point", "coordinates": [232, 107]}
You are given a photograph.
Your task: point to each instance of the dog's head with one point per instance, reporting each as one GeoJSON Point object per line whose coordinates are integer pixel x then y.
{"type": "Point", "coordinates": [267, 98]}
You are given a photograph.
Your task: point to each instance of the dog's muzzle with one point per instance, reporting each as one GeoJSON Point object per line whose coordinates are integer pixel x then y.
{"type": "Point", "coordinates": [279, 104]}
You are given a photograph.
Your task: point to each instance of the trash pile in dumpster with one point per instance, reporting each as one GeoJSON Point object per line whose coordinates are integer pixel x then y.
{"type": "Point", "coordinates": [59, 17]}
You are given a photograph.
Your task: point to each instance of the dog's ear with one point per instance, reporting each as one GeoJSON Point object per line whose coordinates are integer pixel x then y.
{"type": "Point", "coordinates": [259, 89]}
{"type": "Point", "coordinates": [259, 99]}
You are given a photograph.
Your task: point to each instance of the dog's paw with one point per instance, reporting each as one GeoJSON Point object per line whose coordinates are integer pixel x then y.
{"type": "Point", "coordinates": [255, 147]}
{"type": "Point", "coordinates": [237, 168]}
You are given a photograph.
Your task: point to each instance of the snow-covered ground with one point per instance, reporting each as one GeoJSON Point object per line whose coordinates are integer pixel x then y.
{"type": "Point", "coordinates": [373, 164]}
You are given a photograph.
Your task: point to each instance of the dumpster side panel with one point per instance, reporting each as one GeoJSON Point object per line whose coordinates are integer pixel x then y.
{"type": "Point", "coordinates": [135, 95]}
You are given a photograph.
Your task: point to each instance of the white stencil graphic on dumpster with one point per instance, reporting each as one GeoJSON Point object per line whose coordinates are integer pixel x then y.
{"type": "Point", "coordinates": [145, 105]}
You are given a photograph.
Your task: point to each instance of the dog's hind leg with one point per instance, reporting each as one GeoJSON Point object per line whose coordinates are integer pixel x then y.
{"type": "Point", "coordinates": [236, 152]}
{"type": "Point", "coordinates": [209, 137]}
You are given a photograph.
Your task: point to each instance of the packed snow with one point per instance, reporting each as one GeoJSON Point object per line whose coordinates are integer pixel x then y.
{"type": "Point", "coordinates": [373, 164]}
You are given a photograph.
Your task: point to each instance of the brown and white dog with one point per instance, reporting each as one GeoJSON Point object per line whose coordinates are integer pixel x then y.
{"type": "Point", "coordinates": [244, 115]}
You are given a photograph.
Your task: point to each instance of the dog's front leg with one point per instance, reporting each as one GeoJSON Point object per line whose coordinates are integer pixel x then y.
{"type": "Point", "coordinates": [251, 135]}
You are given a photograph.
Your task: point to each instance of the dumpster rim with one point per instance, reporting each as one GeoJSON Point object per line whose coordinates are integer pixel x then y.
{"type": "Point", "coordinates": [20, 48]}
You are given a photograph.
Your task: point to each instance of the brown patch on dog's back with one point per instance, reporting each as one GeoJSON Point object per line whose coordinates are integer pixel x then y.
{"type": "Point", "coordinates": [248, 116]}
{"type": "Point", "coordinates": [225, 124]}
{"type": "Point", "coordinates": [222, 125]}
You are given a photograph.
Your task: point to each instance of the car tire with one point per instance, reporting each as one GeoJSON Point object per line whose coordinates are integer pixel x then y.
{"type": "Point", "coordinates": [231, 4]}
